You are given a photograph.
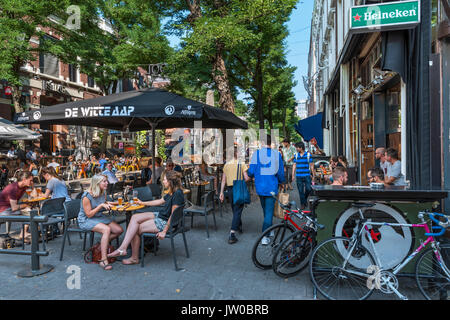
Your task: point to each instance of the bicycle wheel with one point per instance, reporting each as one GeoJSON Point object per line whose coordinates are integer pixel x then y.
{"type": "Point", "coordinates": [262, 254]}
{"type": "Point", "coordinates": [432, 277]}
{"type": "Point", "coordinates": [336, 282]}
{"type": "Point", "coordinates": [292, 255]}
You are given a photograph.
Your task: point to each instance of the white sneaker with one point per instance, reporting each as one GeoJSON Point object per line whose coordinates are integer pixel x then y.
{"type": "Point", "coordinates": [265, 241]}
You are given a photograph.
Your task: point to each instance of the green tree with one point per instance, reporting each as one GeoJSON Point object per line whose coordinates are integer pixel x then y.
{"type": "Point", "coordinates": [210, 30]}
{"type": "Point", "coordinates": [20, 22]}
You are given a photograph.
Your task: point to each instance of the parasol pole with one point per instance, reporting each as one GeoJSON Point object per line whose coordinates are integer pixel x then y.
{"type": "Point", "coordinates": [152, 125]}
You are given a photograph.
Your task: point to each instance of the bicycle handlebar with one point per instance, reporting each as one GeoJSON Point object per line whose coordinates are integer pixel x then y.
{"type": "Point", "coordinates": [442, 226]}
{"type": "Point", "coordinates": [287, 207]}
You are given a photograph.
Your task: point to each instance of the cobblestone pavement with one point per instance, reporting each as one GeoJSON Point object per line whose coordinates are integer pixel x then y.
{"type": "Point", "coordinates": [215, 270]}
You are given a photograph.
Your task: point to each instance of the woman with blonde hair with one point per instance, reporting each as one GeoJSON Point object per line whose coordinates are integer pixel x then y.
{"type": "Point", "coordinates": [153, 222]}
{"type": "Point", "coordinates": [91, 217]}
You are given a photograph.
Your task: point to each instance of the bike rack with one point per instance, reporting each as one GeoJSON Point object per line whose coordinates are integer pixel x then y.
{"type": "Point", "coordinates": [36, 268]}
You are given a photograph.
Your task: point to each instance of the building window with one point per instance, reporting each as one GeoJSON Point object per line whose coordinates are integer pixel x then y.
{"type": "Point", "coordinates": [48, 64]}
{"type": "Point", "coordinates": [91, 82]}
{"type": "Point", "coordinates": [73, 73]}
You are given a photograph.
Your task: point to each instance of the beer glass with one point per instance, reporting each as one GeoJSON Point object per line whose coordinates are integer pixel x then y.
{"type": "Point", "coordinates": [120, 200]}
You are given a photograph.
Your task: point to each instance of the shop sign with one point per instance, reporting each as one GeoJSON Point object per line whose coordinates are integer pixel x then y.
{"type": "Point", "coordinates": [8, 91]}
{"type": "Point", "coordinates": [385, 16]}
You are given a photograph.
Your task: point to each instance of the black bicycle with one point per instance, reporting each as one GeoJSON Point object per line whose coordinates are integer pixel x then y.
{"type": "Point", "coordinates": [271, 239]}
{"type": "Point", "coordinates": [293, 254]}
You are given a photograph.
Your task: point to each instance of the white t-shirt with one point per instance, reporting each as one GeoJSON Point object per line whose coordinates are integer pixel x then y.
{"type": "Point", "coordinates": [395, 170]}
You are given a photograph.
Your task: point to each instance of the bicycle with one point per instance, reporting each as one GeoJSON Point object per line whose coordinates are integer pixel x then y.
{"type": "Point", "coordinates": [292, 255]}
{"type": "Point", "coordinates": [344, 268]}
{"type": "Point", "coordinates": [262, 254]}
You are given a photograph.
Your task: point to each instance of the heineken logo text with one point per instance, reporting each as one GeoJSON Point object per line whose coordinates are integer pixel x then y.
{"type": "Point", "coordinates": [99, 111]}
{"type": "Point", "coordinates": [387, 15]}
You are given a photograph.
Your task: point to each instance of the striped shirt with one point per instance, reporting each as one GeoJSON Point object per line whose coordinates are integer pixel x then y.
{"type": "Point", "coordinates": [302, 164]}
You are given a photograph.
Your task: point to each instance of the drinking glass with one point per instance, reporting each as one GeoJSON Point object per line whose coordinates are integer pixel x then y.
{"type": "Point", "coordinates": [28, 191]}
{"type": "Point", "coordinates": [120, 200]}
{"type": "Point", "coordinates": [135, 196]}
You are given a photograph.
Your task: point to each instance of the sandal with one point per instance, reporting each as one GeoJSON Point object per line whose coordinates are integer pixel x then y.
{"type": "Point", "coordinates": [106, 266]}
{"type": "Point", "coordinates": [121, 253]}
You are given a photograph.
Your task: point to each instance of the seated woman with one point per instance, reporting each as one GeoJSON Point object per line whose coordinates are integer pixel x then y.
{"type": "Point", "coordinates": [55, 184]}
{"type": "Point", "coordinates": [91, 217]}
{"type": "Point", "coordinates": [152, 222]}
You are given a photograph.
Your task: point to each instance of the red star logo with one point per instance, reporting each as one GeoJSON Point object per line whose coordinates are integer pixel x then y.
{"type": "Point", "coordinates": [357, 17]}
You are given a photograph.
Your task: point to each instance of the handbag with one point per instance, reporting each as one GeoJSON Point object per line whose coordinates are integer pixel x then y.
{"type": "Point", "coordinates": [278, 212]}
{"type": "Point", "coordinates": [94, 254]}
{"type": "Point", "coordinates": [240, 192]}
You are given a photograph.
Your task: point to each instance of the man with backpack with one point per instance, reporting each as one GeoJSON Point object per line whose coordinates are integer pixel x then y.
{"type": "Point", "coordinates": [302, 170]}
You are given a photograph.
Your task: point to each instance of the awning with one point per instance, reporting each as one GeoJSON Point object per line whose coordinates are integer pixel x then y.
{"type": "Point", "coordinates": [311, 127]}
{"type": "Point", "coordinates": [11, 131]}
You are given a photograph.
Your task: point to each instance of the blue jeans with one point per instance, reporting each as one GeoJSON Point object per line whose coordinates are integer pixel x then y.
{"type": "Point", "coordinates": [304, 188]}
{"type": "Point", "coordinates": [237, 211]}
{"type": "Point", "coordinates": [268, 205]}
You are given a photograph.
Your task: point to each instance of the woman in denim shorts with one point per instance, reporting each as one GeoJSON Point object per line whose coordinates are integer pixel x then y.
{"type": "Point", "coordinates": [152, 222]}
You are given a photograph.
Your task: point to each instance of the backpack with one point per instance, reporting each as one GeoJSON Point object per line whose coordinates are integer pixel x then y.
{"type": "Point", "coordinates": [6, 242]}
{"type": "Point", "coordinates": [151, 244]}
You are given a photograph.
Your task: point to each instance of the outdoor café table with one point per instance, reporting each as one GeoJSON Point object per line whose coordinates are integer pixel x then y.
{"type": "Point", "coordinates": [35, 202]}
{"type": "Point", "coordinates": [200, 190]}
{"type": "Point", "coordinates": [185, 191]}
{"type": "Point", "coordinates": [333, 207]}
{"type": "Point", "coordinates": [128, 209]}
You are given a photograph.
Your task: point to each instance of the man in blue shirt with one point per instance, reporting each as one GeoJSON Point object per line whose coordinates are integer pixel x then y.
{"type": "Point", "coordinates": [266, 166]}
{"type": "Point", "coordinates": [302, 169]}
{"type": "Point", "coordinates": [112, 179]}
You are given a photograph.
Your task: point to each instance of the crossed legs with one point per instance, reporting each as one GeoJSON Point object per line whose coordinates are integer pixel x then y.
{"type": "Point", "coordinates": [139, 223]}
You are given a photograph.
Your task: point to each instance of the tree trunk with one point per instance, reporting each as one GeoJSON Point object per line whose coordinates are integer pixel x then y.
{"type": "Point", "coordinates": [105, 134]}
{"type": "Point", "coordinates": [16, 94]}
{"type": "Point", "coordinates": [269, 108]}
{"type": "Point", "coordinates": [285, 134]}
{"type": "Point", "coordinates": [220, 76]}
{"type": "Point", "coordinates": [259, 89]}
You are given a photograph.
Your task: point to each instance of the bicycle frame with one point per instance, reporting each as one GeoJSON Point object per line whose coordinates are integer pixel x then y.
{"type": "Point", "coordinates": [398, 268]}
{"type": "Point", "coordinates": [355, 240]}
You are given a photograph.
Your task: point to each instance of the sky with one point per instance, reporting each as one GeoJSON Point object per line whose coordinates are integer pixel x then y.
{"type": "Point", "coordinates": [298, 43]}
{"type": "Point", "coordinates": [299, 28]}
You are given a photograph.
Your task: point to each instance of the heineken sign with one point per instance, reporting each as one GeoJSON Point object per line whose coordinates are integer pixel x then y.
{"type": "Point", "coordinates": [385, 16]}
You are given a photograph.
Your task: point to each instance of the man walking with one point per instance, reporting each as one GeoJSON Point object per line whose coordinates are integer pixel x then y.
{"type": "Point", "coordinates": [288, 157]}
{"type": "Point", "coordinates": [302, 169]}
{"type": "Point", "coordinates": [266, 166]}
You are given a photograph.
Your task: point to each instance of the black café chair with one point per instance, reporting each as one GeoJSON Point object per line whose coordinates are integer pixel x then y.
{"type": "Point", "coordinates": [156, 190]}
{"type": "Point", "coordinates": [176, 227]}
{"type": "Point", "coordinates": [50, 208]}
{"type": "Point", "coordinates": [208, 206]}
{"type": "Point", "coordinates": [71, 210]}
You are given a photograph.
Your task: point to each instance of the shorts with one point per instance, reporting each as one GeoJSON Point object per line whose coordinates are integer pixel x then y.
{"type": "Point", "coordinates": [160, 223]}
{"type": "Point", "coordinates": [288, 173]}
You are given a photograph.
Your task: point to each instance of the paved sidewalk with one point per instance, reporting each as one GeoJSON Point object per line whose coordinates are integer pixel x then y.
{"type": "Point", "coordinates": [215, 270]}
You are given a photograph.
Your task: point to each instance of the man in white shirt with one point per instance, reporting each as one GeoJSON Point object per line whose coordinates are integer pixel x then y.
{"type": "Point", "coordinates": [11, 153]}
{"type": "Point", "coordinates": [53, 164]}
